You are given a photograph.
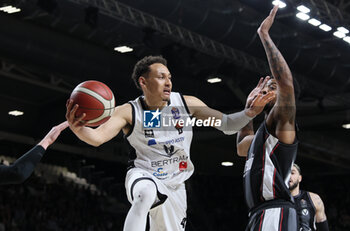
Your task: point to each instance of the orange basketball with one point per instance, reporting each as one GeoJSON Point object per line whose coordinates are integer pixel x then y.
{"type": "Point", "coordinates": [96, 100]}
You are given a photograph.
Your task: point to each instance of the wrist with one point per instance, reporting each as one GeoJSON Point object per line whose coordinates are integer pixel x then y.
{"type": "Point", "coordinates": [251, 114]}
{"type": "Point", "coordinates": [45, 144]}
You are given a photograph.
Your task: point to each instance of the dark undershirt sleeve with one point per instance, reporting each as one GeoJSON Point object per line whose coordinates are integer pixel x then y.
{"type": "Point", "coordinates": [22, 168]}
{"type": "Point", "coordinates": [322, 226]}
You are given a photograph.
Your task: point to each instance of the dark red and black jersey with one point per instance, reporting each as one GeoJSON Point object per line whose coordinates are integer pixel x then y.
{"type": "Point", "coordinates": [267, 169]}
{"type": "Point", "coordinates": [306, 211]}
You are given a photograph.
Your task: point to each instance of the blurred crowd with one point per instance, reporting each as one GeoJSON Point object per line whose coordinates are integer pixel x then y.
{"type": "Point", "coordinates": [36, 205]}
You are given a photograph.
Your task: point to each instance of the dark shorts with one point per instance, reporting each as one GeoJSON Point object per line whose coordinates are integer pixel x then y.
{"type": "Point", "coordinates": [273, 217]}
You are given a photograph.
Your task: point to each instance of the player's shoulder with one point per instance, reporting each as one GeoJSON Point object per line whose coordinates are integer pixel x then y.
{"type": "Point", "coordinates": [193, 100]}
{"type": "Point", "coordinates": [314, 195]}
{"type": "Point", "coordinates": [124, 110]}
{"type": "Point", "coordinates": [316, 199]}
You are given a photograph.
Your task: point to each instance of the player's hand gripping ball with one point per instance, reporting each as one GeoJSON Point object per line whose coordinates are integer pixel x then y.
{"type": "Point", "coordinates": [96, 100]}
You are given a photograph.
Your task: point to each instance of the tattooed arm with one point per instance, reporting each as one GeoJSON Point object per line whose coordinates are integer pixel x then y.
{"type": "Point", "coordinates": [320, 211]}
{"type": "Point", "coordinates": [281, 119]}
{"type": "Point", "coordinates": [321, 218]}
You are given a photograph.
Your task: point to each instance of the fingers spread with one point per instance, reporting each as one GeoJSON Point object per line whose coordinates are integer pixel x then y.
{"type": "Point", "coordinates": [260, 81]}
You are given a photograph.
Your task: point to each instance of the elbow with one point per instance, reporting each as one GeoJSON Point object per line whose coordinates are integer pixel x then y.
{"type": "Point", "coordinates": [96, 144]}
{"type": "Point", "coordinates": [18, 176]}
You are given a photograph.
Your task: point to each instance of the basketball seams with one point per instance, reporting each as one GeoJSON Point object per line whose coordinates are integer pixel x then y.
{"type": "Point", "coordinates": [106, 89]}
{"type": "Point", "coordinates": [103, 98]}
{"type": "Point", "coordinates": [95, 95]}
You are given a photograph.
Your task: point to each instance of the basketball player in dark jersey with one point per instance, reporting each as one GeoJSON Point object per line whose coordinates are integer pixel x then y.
{"type": "Point", "coordinates": [271, 151]}
{"type": "Point", "coordinates": [23, 167]}
{"type": "Point", "coordinates": [309, 205]}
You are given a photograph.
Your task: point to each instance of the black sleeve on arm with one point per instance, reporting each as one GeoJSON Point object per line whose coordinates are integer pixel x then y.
{"type": "Point", "coordinates": [22, 168]}
{"type": "Point", "coordinates": [322, 226]}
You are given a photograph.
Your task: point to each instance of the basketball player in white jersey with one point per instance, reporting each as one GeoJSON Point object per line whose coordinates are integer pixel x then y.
{"type": "Point", "coordinates": [160, 156]}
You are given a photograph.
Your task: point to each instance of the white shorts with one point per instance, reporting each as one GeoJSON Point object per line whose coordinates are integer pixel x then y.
{"type": "Point", "coordinates": [168, 212]}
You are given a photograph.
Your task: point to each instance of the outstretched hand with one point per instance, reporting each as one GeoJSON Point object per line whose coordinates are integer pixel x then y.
{"type": "Point", "coordinates": [53, 134]}
{"type": "Point", "coordinates": [256, 101]}
{"type": "Point", "coordinates": [75, 123]}
{"type": "Point", "coordinates": [267, 23]}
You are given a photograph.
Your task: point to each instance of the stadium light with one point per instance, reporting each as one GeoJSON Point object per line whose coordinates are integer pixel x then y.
{"type": "Point", "coordinates": [16, 113]}
{"type": "Point", "coordinates": [339, 34]}
{"type": "Point", "coordinates": [123, 49]}
{"type": "Point", "coordinates": [314, 22]}
{"type": "Point", "coordinates": [347, 39]}
{"type": "Point", "coordinates": [214, 80]}
{"type": "Point", "coordinates": [279, 3]}
{"type": "Point", "coordinates": [346, 126]}
{"type": "Point", "coordinates": [343, 30]}
{"type": "Point", "coordinates": [10, 9]}
{"type": "Point", "coordinates": [227, 163]}
{"type": "Point", "coordinates": [303, 9]}
{"type": "Point", "coordinates": [325, 27]}
{"type": "Point", "coordinates": [303, 16]}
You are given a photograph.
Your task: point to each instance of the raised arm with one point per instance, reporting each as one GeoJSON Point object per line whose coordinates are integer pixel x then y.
{"type": "Point", "coordinates": [120, 119]}
{"type": "Point", "coordinates": [23, 167]}
{"type": "Point", "coordinates": [282, 117]}
{"type": "Point", "coordinates": [231, 123]}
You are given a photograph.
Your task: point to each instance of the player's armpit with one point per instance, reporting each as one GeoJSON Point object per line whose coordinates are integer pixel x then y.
{"type": "Point", "coordinates": [244, 144]}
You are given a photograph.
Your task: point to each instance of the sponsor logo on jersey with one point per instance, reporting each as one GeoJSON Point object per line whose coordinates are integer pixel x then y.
{"type": "Point", "coordinates": [152, 142]}
{"type": "Point", "coordinates": [160, 173]}
{"type": "Point", "coordinates": [172, 141]}
{"type": "Point", "coordinates": [166, 143]}
{"type": "Point", "coordinates": [170, 150]}
{"type": "Point", "coordinates": [179, 127]}
{"type": "Point", "coordinates": [183, 222]}
{"type": "Point", "coordinates": [176, 159]}
{"type": "Point", "coordinates": [209, 122]}
{"type": "Point", "coordinates": [303, 203]}
{"type": "Point", "coordinates": [183, 166]}
{"type": "Point", "coordinates": [149, 133]}
{"type": "Point", "coordinates": [176, 113]}
{"type": "Point", "coordinates": [157, 119]}
{"type": "Point", "coordinates": [305, 212]}
{"type": "Point", "coordinates": [152, 118]}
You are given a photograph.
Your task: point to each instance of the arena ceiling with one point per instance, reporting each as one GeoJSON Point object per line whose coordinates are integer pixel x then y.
{"type": "Point", "coordinates": [51, 46]}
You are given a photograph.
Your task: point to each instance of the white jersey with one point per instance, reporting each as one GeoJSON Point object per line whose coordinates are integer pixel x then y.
{"type": "Point", "coordinates": [164, 150]}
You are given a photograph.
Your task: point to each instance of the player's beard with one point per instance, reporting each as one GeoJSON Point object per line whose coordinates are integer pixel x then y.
{"type": "Point", "coordinates": [293, 186]}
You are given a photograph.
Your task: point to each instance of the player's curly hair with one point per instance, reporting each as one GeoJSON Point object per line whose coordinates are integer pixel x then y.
{"type": "Point", "coordinates": [142, 67]}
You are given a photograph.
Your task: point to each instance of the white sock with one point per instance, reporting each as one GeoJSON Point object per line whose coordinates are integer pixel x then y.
{"type": "Point", "coordinates": [145, 193]}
